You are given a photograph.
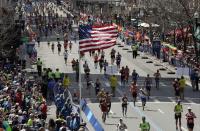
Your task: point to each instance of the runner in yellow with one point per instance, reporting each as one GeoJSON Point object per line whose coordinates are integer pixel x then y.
{"type": "Point", "coordinates": [144, 126]}
{"type": "Point", "coordinates": [113, 84]}
{"type": "Point", "coordinates": [182, 83]}
{"type": "Point", "coordinates": [66, 81]}
{"type": "Point", "coordinates": [178, 109]}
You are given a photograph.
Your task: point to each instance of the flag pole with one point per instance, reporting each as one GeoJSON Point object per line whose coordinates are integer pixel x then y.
{"type": "Point", "coordinates": [79, 76]}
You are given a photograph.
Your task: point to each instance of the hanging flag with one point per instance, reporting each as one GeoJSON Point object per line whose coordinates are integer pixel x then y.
{"type": "Point", "coordinates": [97, 37]}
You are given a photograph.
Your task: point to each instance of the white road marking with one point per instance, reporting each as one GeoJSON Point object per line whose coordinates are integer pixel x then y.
{"type": "Point", "coordinates": [183, 129]}
{"type": "Point", "coordinates": [119, 83]}
{"type": "Point", "coordinates": [171, 99]}
{"type": "Point", "coordinates": [162, 84]}
{"type": "Point", "coordinates": [156, 101]}
{"type": "Point", "coordinates": [161, 111]}
{"type": "Point", "coordinates": [111, 112]}
{"type": "Point", "coordinates": [107, 84]}
{"type": "Point", "coordinates": [190, 101]}
{"type": "Point", "coordinates": [159, 103]}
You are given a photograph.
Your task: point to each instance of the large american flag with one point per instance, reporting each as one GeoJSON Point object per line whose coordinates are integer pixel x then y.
{"type": "Point", "coordinates": [97, 37]}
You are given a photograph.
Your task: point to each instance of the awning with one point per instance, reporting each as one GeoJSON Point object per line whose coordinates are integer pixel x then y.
{"type": "Point", "coordinates": [146, 25]}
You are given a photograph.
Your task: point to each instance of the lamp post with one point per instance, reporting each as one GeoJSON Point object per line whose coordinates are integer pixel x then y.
{"type": "Point", "coordinates": [196, 17]}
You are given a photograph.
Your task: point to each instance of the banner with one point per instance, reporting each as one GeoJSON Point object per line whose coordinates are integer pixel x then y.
{"type": "Point", "coordinates": [90, 116]}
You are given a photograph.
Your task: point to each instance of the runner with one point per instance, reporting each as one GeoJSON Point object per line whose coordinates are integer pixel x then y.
{"type": "Point", "coordinates": [101, 63]}
{"type": "Point", "coordinates": [97, 86]}
{"type": "Point", "coordinates": [157, 79]}
{"type": "Point", "coordinates": [96, 59]}
{"type": "Point", "coordinates": [102, 54]}
{"type": "Point", "coordinates": [144, 126]}
{"type": "Point", "coordinates": [65, 44]}
{"type": "Point", "coordinates": [182, 83]}
{"type": "Point", "coordinates": [121, 126]}
{"type": "Point", "coordinates": [124, 104]}
{"type": "Point", "coordinates": [143, 98]}
{"type": "Point", "coordinates": [133, 90]}
{"type": "Point", "coordinates": [73, 64]}
{"type": "Point", "coordinates": [178, 109]}
{"type": "Point", "coordinates": [108, 101]}
{"type": "Point", "coordinates": [176, 86]}
{"type": "Point", "coordinates": [112, 54]}
{"type": "Point", "coordinates": [135, 76]}
{"type": "Point", "coordinates": [104, 108]}
{"type": "Point", "coordinates": [113, 84]}
{"type": "Point", "coordinates": [59, 47]}
{"type": "Point", "coordinates": [190, 119]}
{"type": "Point", "coordinates": [148, 83]}
{"type": "Point", "coordinates": [123, 75]}
{"type": "Point", "coordinates": [89, 84]}
{"type": "Point", "coordinates": [118, 60]}
{"type": "Point", "coordinates": [48, 43]}
{"type": "Point", "coordinates": [38, 41]}
{"type": "Point", "coordinates": [65, 56]}
{"type": "Point", "coordinates": [127, 74]}
{"type": "Point", "coordinates": [70, 46]}
{"type": "Point", "coordinates": [104, 66]}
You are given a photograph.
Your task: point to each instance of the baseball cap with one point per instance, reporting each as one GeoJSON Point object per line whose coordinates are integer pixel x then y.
{"type": "Point", "coordinates": [189, 108]}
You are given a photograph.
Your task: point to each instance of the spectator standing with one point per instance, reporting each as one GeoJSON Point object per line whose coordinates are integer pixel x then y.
{"type": "Point", "coordinates": [197, 80]}
{"type": "Point", "coordinates": [39, 67]}
{"type": "Point", "coordinates": [192, 79]}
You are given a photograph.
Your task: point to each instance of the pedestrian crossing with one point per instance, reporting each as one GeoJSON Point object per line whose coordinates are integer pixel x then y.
{"type": "Point", "coordinates": [153, 99]}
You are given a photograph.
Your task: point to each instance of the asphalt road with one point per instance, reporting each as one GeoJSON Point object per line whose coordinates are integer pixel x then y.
{"type": "Point", "coordinates": [158, 108]}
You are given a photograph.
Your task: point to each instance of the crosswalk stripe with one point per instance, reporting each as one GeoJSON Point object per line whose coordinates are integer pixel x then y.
{"type": "Point", "coordinates": [172, 100]}
{"type": "Point", "coordinates": [183, 129]}
{"type": "Point", "coordinates": [156, 100]}
{"type": "Point", "coordinates": [119, 83]}
{"type": "Point", "coordinates": [107, 84]}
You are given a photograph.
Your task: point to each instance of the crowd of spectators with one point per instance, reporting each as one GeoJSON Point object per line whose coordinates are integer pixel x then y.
{"type": "Point", "coordinates": [24, 100]}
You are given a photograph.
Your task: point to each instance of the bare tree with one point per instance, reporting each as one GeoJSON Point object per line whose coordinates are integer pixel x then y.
{"type": "Point", "coordinates": [9, 32]}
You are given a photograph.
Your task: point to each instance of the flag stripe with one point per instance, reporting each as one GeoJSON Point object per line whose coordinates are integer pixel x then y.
{"type": "Point", "coordinates": [104, 29]}
{"type": "Point", "coordinates": [97, 47]}
{"type": "Point", "coordinates": [104, 35]}
{"type": "Point", "coordinates": [109, 32]}
{"type": "Point", "coordinates": [93, 40]}
{"type": "Point", "coordinates": [95, 43]}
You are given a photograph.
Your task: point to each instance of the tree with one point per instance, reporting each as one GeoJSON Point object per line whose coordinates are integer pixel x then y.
{"type": "Point", "coordinates": [9, 33]}
{"type": "Point", "coordinates": [178, 14]}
